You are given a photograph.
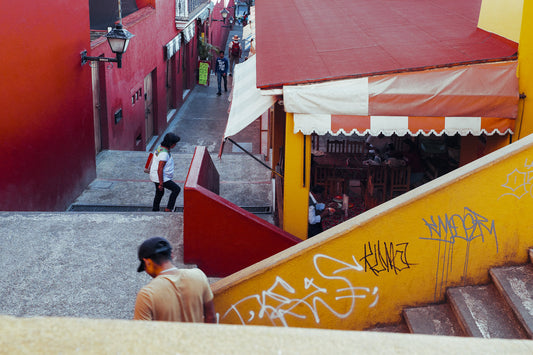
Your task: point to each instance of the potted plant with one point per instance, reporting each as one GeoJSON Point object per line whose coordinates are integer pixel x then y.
{"type": "Point", "coordinates": [205, 53]}
{"type": "Point", "coordinates": [206, 50]}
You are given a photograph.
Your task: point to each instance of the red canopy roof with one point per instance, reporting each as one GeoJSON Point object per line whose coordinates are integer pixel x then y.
{"type": "Point", "coordinates": [302, 41]}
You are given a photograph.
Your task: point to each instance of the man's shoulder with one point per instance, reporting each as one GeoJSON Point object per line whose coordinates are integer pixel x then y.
{"type": "Point", "coordinates": [195, 272]}
{"type": "Point", "coordinates": [155, 283]}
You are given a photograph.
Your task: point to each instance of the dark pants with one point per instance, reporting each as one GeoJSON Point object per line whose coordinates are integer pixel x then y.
{"type": "Point", "coordinates": [172, 186]}
{"type": "Point", "coordinates": [232, 61]}
{"type": "Point", "coordinates": [314, 229]}
{"type": "Point", "coordinates": [219, 81]}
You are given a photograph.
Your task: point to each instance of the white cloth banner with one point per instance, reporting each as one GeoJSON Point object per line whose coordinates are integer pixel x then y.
{"type": "Point", "coordinates": [339, 97]}
{"type": "Point", "coordinates": [309, 123]}
{"type": "Point", "coordinates": [247, 102]}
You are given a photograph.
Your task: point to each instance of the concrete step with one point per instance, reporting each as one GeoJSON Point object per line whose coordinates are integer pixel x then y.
{"type": "Point", "coordinates": [483, 312]}
{"type": "Point", "coordinates": [433, 320]}
{"type": "Point", "coordinates": [515, 284]}
{"type": "Point", "coordinates": [78, 264]}
{"type": "Point", "coordinates": [394, 328]}
{"type": "Point", "coordinates": [121, 182]}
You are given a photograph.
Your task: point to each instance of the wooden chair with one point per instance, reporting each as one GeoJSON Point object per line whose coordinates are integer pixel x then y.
{"type": "Point", "coordinates": [334, 186]}
{"type": "Point", "coordinates": [322, 174]}
{"type": "Point", "coordinates": [377, 175]}
{"type": "Point", "coordinates": [369, 199]}
{"type": "Point", "coordinates": [335, 146]}
{"type": "Point", "coordinates": [357, 148]}
{"type": "Point", "coordinates": [399, 180]}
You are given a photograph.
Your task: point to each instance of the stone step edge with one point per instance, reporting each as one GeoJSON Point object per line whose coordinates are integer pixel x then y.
{"type": "Point", "coordinates": [517, 314]}
{"type": "Point", "coordinates": [451, 313]}
{"type": "Point", "coordinates": [464, 322]}
{"type": "Point", "coordinates": [137, 208]}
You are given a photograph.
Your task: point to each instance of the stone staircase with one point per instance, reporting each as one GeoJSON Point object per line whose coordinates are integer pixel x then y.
{"type": "Point", "coordinates": [501, 309]}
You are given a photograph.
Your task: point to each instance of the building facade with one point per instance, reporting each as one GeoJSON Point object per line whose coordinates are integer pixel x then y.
{"type": "Point", "coordinates": [58, 114]}
{"type": "Point", "coordinates": [133, 105]}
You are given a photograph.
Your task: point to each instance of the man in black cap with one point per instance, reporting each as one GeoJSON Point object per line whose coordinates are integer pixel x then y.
{"type": "Point", "coordinates": [179, 295]}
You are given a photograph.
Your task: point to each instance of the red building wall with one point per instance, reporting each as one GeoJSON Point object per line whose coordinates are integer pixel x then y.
{"type": "Point", "coordinates": [46, 124]}
{"type": "Point", "coordinates": [219, 30]}
{"type": "Point", "coordinates": [153, 26]}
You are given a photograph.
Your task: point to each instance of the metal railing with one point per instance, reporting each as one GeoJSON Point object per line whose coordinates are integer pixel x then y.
{"type": "Point", "coordinates": [184, 8]}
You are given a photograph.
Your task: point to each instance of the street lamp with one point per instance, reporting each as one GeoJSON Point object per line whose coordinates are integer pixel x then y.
{"type": "Point", "coordinates": [118, 40]}
{"type": "Point", "coordinates": [224, 12]}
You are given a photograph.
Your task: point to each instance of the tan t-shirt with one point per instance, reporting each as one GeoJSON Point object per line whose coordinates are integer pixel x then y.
{"type": "Point", "coordinates": [177, 296]}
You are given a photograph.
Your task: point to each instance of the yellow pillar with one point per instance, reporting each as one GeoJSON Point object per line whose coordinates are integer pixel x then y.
{"type": "Point", "coordinates": [296, 180]}
{"type": "Point", "coordinates": [524, 124]}
{"type": "Point", "coordinates": [501, 17]}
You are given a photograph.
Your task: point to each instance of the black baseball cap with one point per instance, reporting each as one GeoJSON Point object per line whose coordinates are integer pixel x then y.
{"type": "Point", "coordinates": [150, 247]}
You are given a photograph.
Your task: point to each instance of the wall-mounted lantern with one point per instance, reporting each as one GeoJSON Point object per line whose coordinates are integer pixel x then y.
{"type": "Point", "coordinates": [118, 40]}
{"type": "Point", "coordinates": [224, 13]}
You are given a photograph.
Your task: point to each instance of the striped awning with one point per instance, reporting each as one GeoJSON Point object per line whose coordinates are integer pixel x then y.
{"type": "Point", "coordinates": [400, 125]}
{"type": "Point", "coordinates": [472, 99]}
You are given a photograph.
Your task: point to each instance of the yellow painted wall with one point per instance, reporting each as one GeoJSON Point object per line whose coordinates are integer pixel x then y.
{"type": "Point", "coordinates": [524, 124]}
{"type": "Point", "coordinates": [405, 252]}
{"type": "Point", "coordinates": [296, 192]}
{"type": "Point", "coordinates": [501, 17]}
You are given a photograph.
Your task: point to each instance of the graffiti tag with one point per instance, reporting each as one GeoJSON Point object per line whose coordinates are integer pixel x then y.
{"type": "Point", "coordinates": [282, 302]}
{"type": "Point", "coordinates": [447, 230]}
{"type": "Point", "coordinates": [389, 257]}
{"type": "Point", "coordinates": [519, 182]}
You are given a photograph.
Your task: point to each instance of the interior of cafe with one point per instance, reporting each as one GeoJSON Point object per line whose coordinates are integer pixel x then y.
{"type": "Point", "coordinates": [360, 172]}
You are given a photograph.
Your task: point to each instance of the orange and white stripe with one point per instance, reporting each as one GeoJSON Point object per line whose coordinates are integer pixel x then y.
{"type": "Point", "coordinates": [401, 125]}
{"type": "Point", "coordinates": [473, 99]}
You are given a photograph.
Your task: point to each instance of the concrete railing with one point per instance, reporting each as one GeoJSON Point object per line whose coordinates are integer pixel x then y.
{"type": "Point", "coordinates": [99, 336]}
{"type": "Point", "coordinates": [405, 252]}
{"type": "Point", "coordinates": [219, 236]}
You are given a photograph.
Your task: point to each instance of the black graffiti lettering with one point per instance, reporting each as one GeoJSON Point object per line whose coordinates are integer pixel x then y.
{"type": "Point", "coordinates": [389, 257]}
{"type": "Point", "coordinates": [366, 258]}
{"type": "Point", "coordinates": [402, 250]}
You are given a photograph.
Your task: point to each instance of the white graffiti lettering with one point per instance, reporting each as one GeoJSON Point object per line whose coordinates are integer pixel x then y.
{"type": "Point", "coordinates": [519, 182]}
{"type": "Point", "coordinates": [280, 302]}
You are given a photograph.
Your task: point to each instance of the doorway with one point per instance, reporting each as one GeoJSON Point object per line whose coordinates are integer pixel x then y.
{"type": "Point", "coordinates": [171, 85]}
{"type": "Point", "coordinates": [148, 108]}
{"type": "Point", "coordinates": [95, 78]}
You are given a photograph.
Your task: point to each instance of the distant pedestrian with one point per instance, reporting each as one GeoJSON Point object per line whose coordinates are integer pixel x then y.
{"type": "Point", "coordinates": [221, 70]}
{"type": "Point", "coordinates": [235, 52]}
{"type": "Point", "coordinates": [252, 48]}
{"type": "Point", "coordinates": [174, 295]}
{"type": "Point", "coordinates": [162, 172]}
